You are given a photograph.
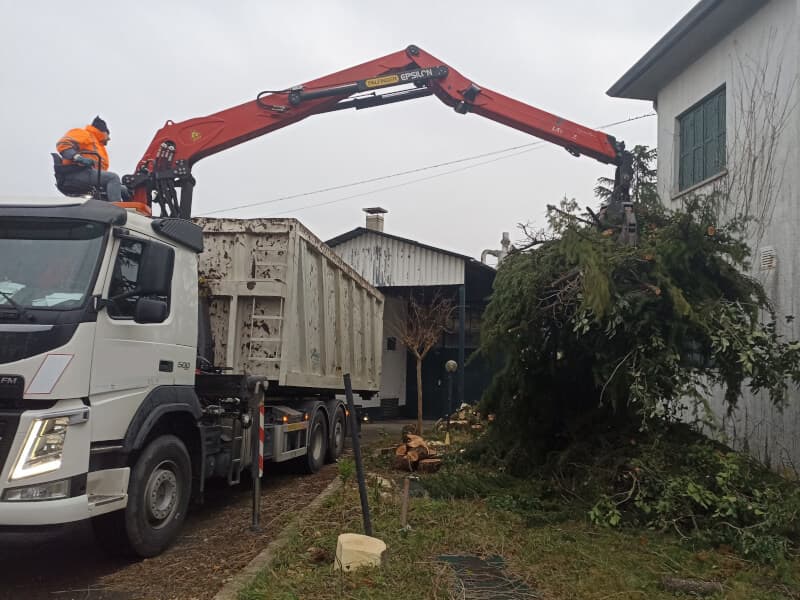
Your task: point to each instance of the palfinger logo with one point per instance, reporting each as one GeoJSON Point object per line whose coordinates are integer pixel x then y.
{"type": "Point", "coordinates": [382, 81]}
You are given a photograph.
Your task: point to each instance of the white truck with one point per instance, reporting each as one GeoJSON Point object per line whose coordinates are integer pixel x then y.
{"type": "Point", "coordinates": [138, 356]}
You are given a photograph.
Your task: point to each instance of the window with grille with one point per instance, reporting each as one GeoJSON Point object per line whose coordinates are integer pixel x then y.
{"type": "Point", "coordinates": [702, 140]}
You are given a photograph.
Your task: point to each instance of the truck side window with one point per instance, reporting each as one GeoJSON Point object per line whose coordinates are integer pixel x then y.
{"type": "Point", "coordinates": [125, 280]}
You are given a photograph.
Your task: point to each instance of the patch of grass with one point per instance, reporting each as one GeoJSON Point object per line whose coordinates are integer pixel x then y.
{"type": "Point", "coordinates": [299, 574]}
{"type": "Point", "coordinates": [545, 542]}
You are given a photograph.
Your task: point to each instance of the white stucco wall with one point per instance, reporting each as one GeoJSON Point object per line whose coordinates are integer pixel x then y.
{"type": "Point", "coordinates": [393, 381]}
{"type": "Point", "coordinates": [769, 43]}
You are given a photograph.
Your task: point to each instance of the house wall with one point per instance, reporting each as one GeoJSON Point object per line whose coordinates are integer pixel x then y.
{"type": "Point", "coordinates": [766, 49]}
{"type": "Point", "coordinates": [393, 383]}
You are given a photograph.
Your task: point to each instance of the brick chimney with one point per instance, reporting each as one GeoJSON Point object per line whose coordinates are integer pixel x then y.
{"type": "Point", "coordinates": [375, 217]}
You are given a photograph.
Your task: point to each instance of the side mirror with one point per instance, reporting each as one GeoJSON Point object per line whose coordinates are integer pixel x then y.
{"type": "Point", "coordinates": [149, 310]}
{"type": "Point", "coordinates": [155, 270]}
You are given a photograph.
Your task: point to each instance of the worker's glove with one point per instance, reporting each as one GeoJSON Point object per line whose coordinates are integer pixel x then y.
{"type": "Point", "coordinates": [82, 161]}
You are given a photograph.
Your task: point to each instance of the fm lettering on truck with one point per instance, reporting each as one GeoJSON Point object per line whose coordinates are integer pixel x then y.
{"type": "Point", "coordinates": [11, 387]}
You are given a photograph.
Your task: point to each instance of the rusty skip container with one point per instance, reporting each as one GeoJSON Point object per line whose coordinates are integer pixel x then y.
{"type": "Point", "coordinates": [284, 306]}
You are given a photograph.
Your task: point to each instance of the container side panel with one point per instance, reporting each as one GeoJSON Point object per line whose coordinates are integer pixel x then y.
{"type": "Point", "coordinates": [259, 335]}
{"type": "Point", "coordinates": [219, 311]}
{"type": "Point", "coordinates": [284, 306]}
{"type": "Point", "coordinates": [312, 283]}
{"type": "Point", "coordinates": [328, 310]}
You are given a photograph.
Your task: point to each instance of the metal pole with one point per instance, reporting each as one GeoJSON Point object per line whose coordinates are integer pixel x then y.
{"type": "Point", "coordinates": [362, 485]}
{"type": "Point", "coordinates": [450, 366]}
{"type": "Point", "coordinates": [256, 428]}
{"type": "Point", "coordinates": [449, 397]}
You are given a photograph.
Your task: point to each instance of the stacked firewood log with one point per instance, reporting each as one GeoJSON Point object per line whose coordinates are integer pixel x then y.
{"type": "Point", "coordinates": [414, 454]}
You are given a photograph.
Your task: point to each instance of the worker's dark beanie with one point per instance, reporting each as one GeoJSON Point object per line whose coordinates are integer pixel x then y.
{"type": "Point", "coordinates": [100, 124]}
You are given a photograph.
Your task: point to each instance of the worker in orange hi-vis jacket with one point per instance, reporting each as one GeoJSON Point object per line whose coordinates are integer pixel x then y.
{"type": "Point", "coordinates": [81, 149]}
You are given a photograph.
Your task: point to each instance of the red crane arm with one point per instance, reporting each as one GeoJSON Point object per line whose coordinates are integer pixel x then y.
{"type": "Point", "coordinates": [167, 162]}
{"type": "Point", "coordinates": [202, 136]}
{"type": "Point", "coordinates": [462, 94]}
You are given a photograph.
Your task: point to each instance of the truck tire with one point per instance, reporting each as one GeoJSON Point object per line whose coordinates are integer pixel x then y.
{"type": "Point", "coordinates": [338, 433]}
{"type": "Point", "coordinates": [158, 499]}
{"type": "Point", "coordinates": [317, 444]}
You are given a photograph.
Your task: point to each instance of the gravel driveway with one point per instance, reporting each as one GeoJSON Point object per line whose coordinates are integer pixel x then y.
{"type": "Point", "coordinates": [66, 564]}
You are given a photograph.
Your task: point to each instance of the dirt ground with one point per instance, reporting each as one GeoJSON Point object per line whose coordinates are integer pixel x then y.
{"type": "Point", "coordinates": [66, 564]}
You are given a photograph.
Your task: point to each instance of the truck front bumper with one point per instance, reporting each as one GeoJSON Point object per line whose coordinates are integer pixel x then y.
{"type": "Point", "coordinates": [45, 512]}
{"type": "Point", "coordinates": [64, 493]}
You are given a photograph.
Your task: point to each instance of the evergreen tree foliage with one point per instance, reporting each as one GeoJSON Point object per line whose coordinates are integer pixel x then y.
{"type": "Point", "coordinates": [643, 182]}
{"type": "Point", "coordinates": [586, 332]}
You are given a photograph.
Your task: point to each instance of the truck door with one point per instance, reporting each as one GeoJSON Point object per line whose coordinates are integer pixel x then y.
{"type": "Point", "coordinates": [134, 350]}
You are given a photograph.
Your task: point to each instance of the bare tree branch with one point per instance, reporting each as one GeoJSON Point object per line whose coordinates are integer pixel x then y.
{"type": "Point", "coordinates": [763, 104]}
{"type": "Point", "coordinates": [420, 329]}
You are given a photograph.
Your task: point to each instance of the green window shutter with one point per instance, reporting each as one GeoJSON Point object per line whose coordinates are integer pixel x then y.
{"type": "Point", "coordinates": [710, 118]}
{"type": "Point", "coordinates": [686, 145]}
{"type": "Point", "coordinates": [698, 157]}
{"type": "Point", "coordinates": [702, 140]}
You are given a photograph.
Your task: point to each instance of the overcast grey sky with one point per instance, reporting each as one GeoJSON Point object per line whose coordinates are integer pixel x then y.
{"type": "Point", "coordinates": [140, 63]}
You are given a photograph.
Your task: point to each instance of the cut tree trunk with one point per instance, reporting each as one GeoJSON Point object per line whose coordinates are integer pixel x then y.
{"type": "Point", "coordinates": [414, 441]}
{"type": "Point", "coordinates": [429, 465]}
{"type": "Point", "coordinates": [402, 463]}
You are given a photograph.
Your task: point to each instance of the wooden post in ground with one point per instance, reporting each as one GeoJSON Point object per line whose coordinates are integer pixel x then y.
{"type": "Point", "coordinates": [362, 484]}
{"type": "Point", "coordinates": [404, 504]}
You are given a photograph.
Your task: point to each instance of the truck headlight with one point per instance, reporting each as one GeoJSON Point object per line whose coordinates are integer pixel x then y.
{"type": "Point", "coordinates": [53, 490]}
{"type": "Point", "coordinates": [43, 448]}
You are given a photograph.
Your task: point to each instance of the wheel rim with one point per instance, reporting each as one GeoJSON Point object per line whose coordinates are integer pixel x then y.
{"type": "Point", "coordinates": [338, 436]}
{"type": "Point", "coordinates": [162, 493]}
{"type": "Point", "coordinates": [316, 443]}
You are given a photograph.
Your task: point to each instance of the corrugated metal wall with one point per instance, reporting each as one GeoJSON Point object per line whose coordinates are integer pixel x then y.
{"type": "Point", "coordinates": [385, 262]}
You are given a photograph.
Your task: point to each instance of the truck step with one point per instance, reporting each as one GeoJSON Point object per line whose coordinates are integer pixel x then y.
{"type": "Point", "coordinates": [235, 469]}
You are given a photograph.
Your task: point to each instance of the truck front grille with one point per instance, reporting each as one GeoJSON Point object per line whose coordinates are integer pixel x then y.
{"type": "Point", "coordinates": [8, 427]}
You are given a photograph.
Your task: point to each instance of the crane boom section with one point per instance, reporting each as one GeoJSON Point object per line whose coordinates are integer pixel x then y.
{"type": "Point", "coordinates": [167, 162]}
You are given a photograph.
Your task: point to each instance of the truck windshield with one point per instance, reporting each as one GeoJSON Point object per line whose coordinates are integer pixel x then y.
{"type": "Point", "coordinates": [48, 263]}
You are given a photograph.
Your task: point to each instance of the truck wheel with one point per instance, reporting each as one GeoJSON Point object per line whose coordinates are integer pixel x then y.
{"type": "Point", "coordinates": [158, 498]}
{"type": "Point", "coordinates": [317, 444]}
{"type": "Point", "coordinates": [336, 445]}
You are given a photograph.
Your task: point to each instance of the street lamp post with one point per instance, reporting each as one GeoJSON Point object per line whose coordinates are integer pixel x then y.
{"type": "Point", "coordinates": [450, 366]}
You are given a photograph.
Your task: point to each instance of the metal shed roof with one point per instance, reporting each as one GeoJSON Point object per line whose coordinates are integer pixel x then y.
{"type": "Point", "coordinates": [388, 260]}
